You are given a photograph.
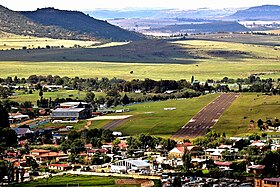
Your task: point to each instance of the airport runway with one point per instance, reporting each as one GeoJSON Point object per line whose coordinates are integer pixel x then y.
{"type": "Point", "coordinates": [206, 118]}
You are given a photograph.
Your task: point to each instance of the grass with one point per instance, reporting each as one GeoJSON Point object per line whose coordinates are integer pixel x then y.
{"type": "Point", "coordinates": [151, 118]}
{"type": "Point", "coordinates": [74, 180]}
{"type": "Point", "coordinates": [252, 106]}
{"type": "Point", "coordinates": [77, 126]}
{"type": "Point", "coordinates": [175, 60]}
{"type": "Point", "coordinates": [8, 41]}
{"type": "Point", "coordinates": [82, 124]}
{"type": "Point", "coordinates": [73, 94]}
{"type": "Point", "coordinates": [99, 124]}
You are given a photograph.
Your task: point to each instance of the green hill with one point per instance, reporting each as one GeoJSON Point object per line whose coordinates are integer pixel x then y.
{"type": "Point", "coordinates": [81, 23]}
{"type": "Point", "coordinates": [13, 22]}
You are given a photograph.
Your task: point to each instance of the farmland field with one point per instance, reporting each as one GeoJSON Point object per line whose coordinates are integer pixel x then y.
{"type": "Point", "coordinates": [9, 41]}
{"type": "Point", "coordinates": [247, 107]}
{"type": "Point", "coordinates": [151, 59]}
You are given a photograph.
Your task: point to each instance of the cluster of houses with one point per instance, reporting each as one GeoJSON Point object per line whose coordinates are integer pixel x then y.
{"type": "Point", "coordinates": [151, 162]}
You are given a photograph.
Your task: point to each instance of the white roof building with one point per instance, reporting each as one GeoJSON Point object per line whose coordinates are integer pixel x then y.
{"type": "Point", "coordinates": [125, 165]}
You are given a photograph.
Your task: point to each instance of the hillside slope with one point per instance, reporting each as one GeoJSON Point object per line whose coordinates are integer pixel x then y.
{"type": "Point", "coordinates": [266, 12]}
{"type": "Point", "coordinates": [81, 23]}
{"type": "Point", "coordinates": [13, 22]}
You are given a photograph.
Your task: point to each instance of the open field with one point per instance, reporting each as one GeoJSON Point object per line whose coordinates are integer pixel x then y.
{"type": "Point", "coordinates": [9, 41]}
{"type": "Point", "coordinates": [240, 38]}
{"type": "Point", "coordinates": [149, 59]}
{"type": "Point", "coordinates": [72, 180]}
{"type": "Point", "coordinates": [273, 32]}
{"type": "Point", "coordinates": [81, 125]}
{"type": "Point", "coordinates": [22, 97]}
{"type": "Point", "coordinates": [245, 108]}
{"type": "Point", "coordinates": [205, 119]}
{"type": "Point", "coordinates": [151, 117]}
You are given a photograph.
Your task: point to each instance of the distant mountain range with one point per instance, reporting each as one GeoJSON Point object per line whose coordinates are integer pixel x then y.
{"type": "Point", "coordinates": [212, 27]}
{"type": "Point", "coordinates": [263, 13]}
{"type": "Point", "coordinates": [53, 23]}
{"type": "Point", "coordinates": [266, 12]}
{"type": "Point", "coordinates": [203, 13]}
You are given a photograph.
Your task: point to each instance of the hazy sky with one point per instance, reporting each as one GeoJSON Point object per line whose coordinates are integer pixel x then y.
{"type": "Point", "coordinates": [123, 4]}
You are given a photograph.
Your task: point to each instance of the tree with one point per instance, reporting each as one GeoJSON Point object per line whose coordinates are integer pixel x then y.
{"type": "Point", "coordinates": [186, 158]}
{"type": "Point", "coordinates": [41, 93]}
{"type": "Point", "coordinates": [3, 170]}
{"type": "Point", "coordinates": [116, 142]}
{"type": "Point", "coordinates": [271, 161]}
{"type": "Point", "coordinates": [32, 163]}
{"type": "Point", "coordinates": [4, 92]}
{"type": "Point", "coordinates": [215, 173]}
{"type": "Point", "coordinates": [125, 100]}
{"type": "Point", "coordinates": [8, 137]}
{"type": "Point", "coordinates": [90, 97]}
{"type": "Point", "coordinates": [192, 79]}
{"type": "Point", "coordinates": [260, 124]}
{"type": "Point", "coordinates": [4, 117]}
{"type": "Point", "coordinates": [177, 182]}
{"type": "Point", "coordinates": [227, 155]}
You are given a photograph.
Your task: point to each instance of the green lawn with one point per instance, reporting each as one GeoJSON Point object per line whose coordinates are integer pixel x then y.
{"type": "Point", "coordinates": [99, 124]}
{"type": "Point", "coordinates": [252, 106]}
{"type": "Point", "coordinates": [151, 117]}
{"type": "Point", "coordinates": [73, 180]}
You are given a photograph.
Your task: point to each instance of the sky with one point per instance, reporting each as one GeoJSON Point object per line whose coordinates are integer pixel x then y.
{"type": "Point", "coordinates": [85, 5]}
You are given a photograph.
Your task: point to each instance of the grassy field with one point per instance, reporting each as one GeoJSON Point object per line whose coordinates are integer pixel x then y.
{"type": "Point", "coordinates": [8, 41]}
{"type": "Point", "coordinates": [251, 106]}
{"type": "Point", "coordinates": [73, 94]}
{"type": "Point", "coordinates": [72, 180]}
{"type": "Point", "coordinates": [151, 117]}
{"type": "Point", "coordinates": [77, 126]}
{"type": "Point", "coordinates": [155, 60]}
{"type": "Point", "coordinates": [21, 96]}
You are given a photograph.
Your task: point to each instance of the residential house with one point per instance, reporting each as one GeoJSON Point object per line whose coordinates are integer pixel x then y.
{"type": "Point", "coordinates": [223, 165]}
{"type": "Point", "coordinates": [61, 167]}
{"type": "Point", "coordinates": [46, 155]}
{"type": "Point", "coordinates": [256, 169]}
{"type": "Point", "coordinates": [21, 132]}
{"type": "Point", "coordinates": [176, 152]}
{"type": "Point", "coordinates": [17, 118]}
{"type": "Point", "coordinates": [267, 182]}
{"type": "Point", "coordinates": [215, 154]}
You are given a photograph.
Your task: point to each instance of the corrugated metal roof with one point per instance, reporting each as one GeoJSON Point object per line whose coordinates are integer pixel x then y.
{"type": "Point", "coordinates": [69, 109]}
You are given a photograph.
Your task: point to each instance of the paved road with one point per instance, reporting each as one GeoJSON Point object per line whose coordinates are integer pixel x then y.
{"type": "Point", "coordinates": [207, 117]}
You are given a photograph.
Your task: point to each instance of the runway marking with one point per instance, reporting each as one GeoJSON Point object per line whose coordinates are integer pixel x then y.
{"type": "Point", "coordinates": [207, 117]}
